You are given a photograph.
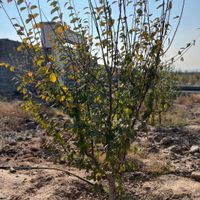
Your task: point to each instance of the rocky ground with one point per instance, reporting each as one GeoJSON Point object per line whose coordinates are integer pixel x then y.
{"type": "Point", "coordinates": [167, 162]}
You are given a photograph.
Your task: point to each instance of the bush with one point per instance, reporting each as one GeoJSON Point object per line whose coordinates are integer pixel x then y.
{"type": "Point", "coordinates": [99, 82]}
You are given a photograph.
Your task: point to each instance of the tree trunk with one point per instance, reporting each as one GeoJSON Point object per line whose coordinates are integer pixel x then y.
{"type": "Point", "coordinates": [160, 118]}
{"type": "Point", "coordinates": [112, 187]}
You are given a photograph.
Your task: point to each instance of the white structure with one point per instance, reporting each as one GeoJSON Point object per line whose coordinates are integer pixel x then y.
{"type": "Point", "coordinates": [49, 37]}
{"type": "Point", "coordinates": [50, 42]}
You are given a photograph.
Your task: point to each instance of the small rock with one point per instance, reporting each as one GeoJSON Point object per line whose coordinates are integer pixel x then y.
{"type": "Point", "coordinates": [196, 175]}
{"type": "Point", "coordinates": [158, 137]}
{"type": "Point", "coordinates": [147, 188]}
{"type": "Point", "coordinates": [197, 154]}
{"type": "Point", "coordinates": [176, 130]}
{"type": "Point", "coordinates": [12, 170]}
{"type": "Point", "coordinates": [137, 175]}
{"type": "Point", "coordinates": [178, 149]}
{"type": "Point", "coordinates": [173, 156]}
{"type": "Point", "coordinates": [153, 149]}
{"type": "Point", "coordinates": [27, 138]}
{"type": "Point", "coordinates": [28, 120]}
{"type": "Point", "coordinates": [13, 143]}
{"type": "Point", "coordinates": [194, 149]}
{"type": "Point", "coordinates": [166, 141]}
{"type": "Point", "coordinates": [151, 139]}
{"type": "Point", "coordinates": [31, 125]}
{"type": "Point", "coordinates": [176, 161]}
{"type": "Point", "coordinates": [34, 149]}
{"type": "Point", "coordinates": [20, 139]}
{"type": "Point", "coordinates": [184, 142]}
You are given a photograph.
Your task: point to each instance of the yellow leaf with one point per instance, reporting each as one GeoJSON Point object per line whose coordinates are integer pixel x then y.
{"type": "Point", "coordinates": [20, 48]}
{"type": "Point", "coordinates": [166, 106]}
{"type": "Point", "coordinates": [59, 30]}
{"type": "Point", "coordinates": [40, 62]}
{"type": "Point", "coordinates": [151, 120]}
{"type": "Point", "coordinates": [19, 88]}
{"type": "Point", "coordinates": [42, 96]}
{"type": "Point", "coordinates": [6, 65]}
{"type": "Point", "coordinates": [66, 27]}
{"type": "Point", "coordinates": [30, 74]}
{"type": "Point", "coordinates": [126, 110]}
{"type": "Point", "coordinates": [116, 116]}
{"type": "Point", "coordinates": [62, 98]}
{"type": "Point", "coordinates": [47, 98]}
{"type": "Point", "coordinates": [42, 70]}
{"type": "Point", "coordinates": [12, 69]}
{"type": "Point", "coordinates": [64, 88]}
{"type": "Point", "coordinates": [53, 77]}
{"type": "Point", "coordinates": [37, 25]}
{"type": "Point", "coordinates": [24, 91]}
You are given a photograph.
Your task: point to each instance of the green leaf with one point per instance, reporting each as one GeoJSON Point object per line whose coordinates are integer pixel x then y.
{"type": "Point", "coordinates": [19, 32]}
{"type": "Point", "coordinates": [22, 8]}
{"type": "Point", "coordinates": [33, 7]}
{"type": "Point", "coordinates": [70, 8]}
{"type": "Point", "coordinates": [19, 2]}
{"type": "Point", "coordinates": [16, 25]}
{"type": "Point", "coordinates": [55, 18]}
{"type": "Point", "coordinates": [75, 19]}
{"type": "Point", "coordinates": [54, 10]}
{"type": "Point", "coordinates": [54, 3]}
{"type": "Point", "coordinates": [28, 20]}
{"type": "Point", "coordinates": [161, 5]}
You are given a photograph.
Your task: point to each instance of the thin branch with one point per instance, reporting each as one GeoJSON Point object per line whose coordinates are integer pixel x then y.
{"type": "Point", "coordinates": [182, 9]}
{"type": "Point", "coordinates": [19, 168]}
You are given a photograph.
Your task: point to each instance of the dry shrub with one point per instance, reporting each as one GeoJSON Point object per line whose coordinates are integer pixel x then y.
{"type": "Point", "coordinates": [184, 100]}
{"type": "Point", "coordinates": [12, 116]}
{"type": "Point", "coordinates": [181, 112]}
{"type": "Point", "coordinates": [13, 109]}
{"type": "Point", "coordinates": [157, 167]}
{"type": "Point", "coordinates": [176, 117]}
{"type": "Point", "coordinates": [195, 98]}
{"type": "Point", "coordinates": [188, 100]}
{"type": "Point", "coordinates": [54, 112]}
{"type": "Point", "coordinates": [148, 162]}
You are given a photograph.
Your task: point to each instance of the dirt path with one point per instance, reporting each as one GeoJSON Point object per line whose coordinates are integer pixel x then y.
{"type": "Point", "coordinates": [20, 145]}
{"type": "Point", "coordinates": [168, 161]}
{"type": "Point", "coordinates": [39, 184]}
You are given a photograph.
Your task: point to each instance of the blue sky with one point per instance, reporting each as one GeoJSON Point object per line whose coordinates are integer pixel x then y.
{"type": "Point", "coordinates": [187, 31]}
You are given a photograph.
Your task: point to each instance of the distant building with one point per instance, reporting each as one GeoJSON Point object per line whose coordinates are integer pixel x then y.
{"type": "Point", "coordinates": [49, 38]}
{"type": "Point", "coordinates": [51, 41]}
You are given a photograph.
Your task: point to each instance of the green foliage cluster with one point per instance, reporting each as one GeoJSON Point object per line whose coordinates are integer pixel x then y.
{"type": "Point", "coordinates": [106, 83]}
{"type": "Point", "coordinates": [162, 96]}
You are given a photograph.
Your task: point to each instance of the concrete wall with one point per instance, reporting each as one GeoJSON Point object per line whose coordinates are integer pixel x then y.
{"type": "Point", "coordinates": [7, 84]}
{"type": "Point", "coordinates": [8, 54]}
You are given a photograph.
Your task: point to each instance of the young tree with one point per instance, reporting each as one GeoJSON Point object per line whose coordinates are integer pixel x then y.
{"type": "Point", "coordinates": [162, 95]}
{"type": "Point", "coordinates": [100, 82]}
